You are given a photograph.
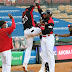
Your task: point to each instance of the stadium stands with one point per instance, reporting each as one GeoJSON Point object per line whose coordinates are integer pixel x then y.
{"type": "Point", "coordinates": [1, 0]}
{"type": "Point", "coordinates": [28, 1]}
{"type": "Point", "coordinates": [56, 12]}
{"type": "Point", "coordinates": [68, 9]}
{"type": "Point", "coordinates": [19, 2]}
{"type": "Point", "coordinates": [61, 8]}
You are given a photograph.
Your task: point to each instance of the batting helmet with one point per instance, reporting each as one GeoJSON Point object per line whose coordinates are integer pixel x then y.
{"type": "Point", "coordinates": [48, 12]}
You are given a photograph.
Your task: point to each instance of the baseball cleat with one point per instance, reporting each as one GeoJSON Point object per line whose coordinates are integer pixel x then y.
{"type": "Point", "coordinates": [25, 68]}
{"type": "Point", "coordinates": [46, 67]}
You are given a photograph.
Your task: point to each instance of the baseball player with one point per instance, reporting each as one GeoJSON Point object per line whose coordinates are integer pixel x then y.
{"type": "Point", "coordinates": [66, 35]}
{"type": "Point", "coordinates": [29, 31]}
{"type": "Point", "coordinates": [6, 44]}
{"type": "Point", "coordinates": [47, 42]}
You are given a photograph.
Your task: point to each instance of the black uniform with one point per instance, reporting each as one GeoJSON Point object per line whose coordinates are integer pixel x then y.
{"type": "Point", "coordinates": [49, 23]}
{"type": "Point", "coordinates": [27, 18]}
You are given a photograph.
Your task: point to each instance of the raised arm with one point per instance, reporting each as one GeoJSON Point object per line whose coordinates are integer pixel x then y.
{"type": "Point", "coordinates": [39, 9]}
{"type": "Point", "coordinates": [31, 7]}
{"type": "Point", "coordinates": [9, 30]}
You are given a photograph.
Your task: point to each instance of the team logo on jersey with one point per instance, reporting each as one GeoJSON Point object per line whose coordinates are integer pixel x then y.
{"type": "Point", "coordinates": [46, 23]}
{"type": "Point", "coordinates": [25, 18]}
{"type": "Point", "coordinates": [50, 26]}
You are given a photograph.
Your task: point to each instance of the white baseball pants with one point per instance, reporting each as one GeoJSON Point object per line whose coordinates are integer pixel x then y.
{"type": "Point", "coordinates": [47, 45]}
{"type": "Point", "coordinates": [6, 61]}
{"type": "Point", "coordinates": [29, 35]}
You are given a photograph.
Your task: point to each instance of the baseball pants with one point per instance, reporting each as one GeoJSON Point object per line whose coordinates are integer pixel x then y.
{"type": "Point", "coordinates": [47, 45]}
{"type": "Point", "coordinates": [6, 61]}
{"type": "Point", "coordinates": [29, 36]}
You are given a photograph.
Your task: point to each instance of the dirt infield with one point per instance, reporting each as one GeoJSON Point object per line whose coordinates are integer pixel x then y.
{"type": "Point", "coordinates": [59, 67]}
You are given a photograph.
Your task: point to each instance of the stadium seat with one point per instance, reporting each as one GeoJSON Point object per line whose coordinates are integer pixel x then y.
{"type": "Point", "coordinates": [23, 6]}
{"type": "Point", "coordinates": [49, 9]}
{"type": "Point", "coordinates": [56, 11]}
{"type": "Point", "coordinates": [68, 9]}
{"type": "Point", "coordinates": [18, 6]}
{"type": "Point", "coordinates": [36, 10]}
{"type": "Point", "coordinates": [64, 15]}
{"type": "Point", "coordinates": [43, 7]}
{"type": "Point", "coordinates": [70, 16]}
{"type": "Point", "coordinates": [61, 8]}
{"type": "Point", "coordinates": [57, 16]}
{"type": "Point", "coordinates": [61, 16]}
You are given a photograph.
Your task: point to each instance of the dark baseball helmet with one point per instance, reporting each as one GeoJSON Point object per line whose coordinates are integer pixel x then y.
{"type": "Point", "coordinates": [48, 12]}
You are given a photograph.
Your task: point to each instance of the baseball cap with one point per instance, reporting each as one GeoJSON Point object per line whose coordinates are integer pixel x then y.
{"type": "Point", "coordinates": [70, 25]}
{"type": "Point", "coordinates": [2, 22]}
{"type": "Point", "coordinates": [48, 12]}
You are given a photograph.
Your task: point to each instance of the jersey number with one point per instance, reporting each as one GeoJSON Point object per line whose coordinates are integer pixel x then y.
{"type": "Point", "coordinates": [25, 18]}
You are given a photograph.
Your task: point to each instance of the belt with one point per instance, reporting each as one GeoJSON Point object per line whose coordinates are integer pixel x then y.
{"type": "Point", "coordinates": [45, 35]}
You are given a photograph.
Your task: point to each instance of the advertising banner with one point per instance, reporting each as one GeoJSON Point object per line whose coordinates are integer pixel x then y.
{"type": "Point", "coordinates": [55, 51]}
{"type": "Point", "coordinates": [17, 58]}
{"type": "Point", "coordinates": [32, 57]}
{"type": "Point", "coordinates": [0, 61]}
{"type": "Point", "coordinates": [64, 52]}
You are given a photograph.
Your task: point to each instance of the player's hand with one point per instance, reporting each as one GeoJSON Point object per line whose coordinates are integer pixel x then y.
{"type": "Point", "coordinates": [39, 25]}
{"type": "Point", "coordinates": [10, 16]}
{"type": "Point", "coordinates": [56, 35]}
{"type": "Point", "coordinates": [37, 1]}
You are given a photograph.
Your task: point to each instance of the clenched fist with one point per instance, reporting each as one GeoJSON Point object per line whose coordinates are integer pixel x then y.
{"type": "Point", "coordinates": [10, 16]}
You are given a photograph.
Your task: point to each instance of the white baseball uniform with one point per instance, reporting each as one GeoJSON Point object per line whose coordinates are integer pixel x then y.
{"type": "Point", "coordinates": [29, 31]}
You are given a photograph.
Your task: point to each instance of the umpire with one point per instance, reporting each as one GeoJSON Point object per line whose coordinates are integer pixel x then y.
{"type": "Point", "coordinates": [6, 44]}
{"type": "Point", "coordinates": [47, 42]}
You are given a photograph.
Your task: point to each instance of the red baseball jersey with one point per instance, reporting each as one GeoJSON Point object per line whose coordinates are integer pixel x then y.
{"type": "Point", "coordinates": [5, 38]}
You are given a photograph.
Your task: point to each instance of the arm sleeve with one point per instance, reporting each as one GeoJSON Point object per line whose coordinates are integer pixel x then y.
{"type": "Point", "coordinates": [41, 12]}
{"type": "Point", "coordinates": [42, 28]}
{"type": "Point", "coordinates": [10, 29]}
{"type": "Point", "coordinates": [31, 8]}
